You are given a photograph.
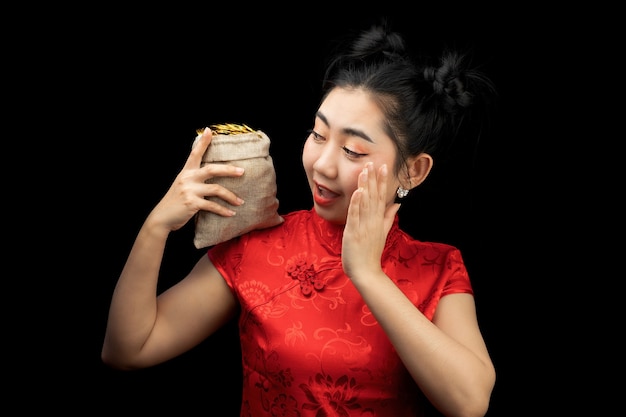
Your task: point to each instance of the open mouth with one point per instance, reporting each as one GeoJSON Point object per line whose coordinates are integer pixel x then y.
{"type": "Point", "coordinates": [324, 196]}
{"type": "Point", "coordinates": [326, 193]}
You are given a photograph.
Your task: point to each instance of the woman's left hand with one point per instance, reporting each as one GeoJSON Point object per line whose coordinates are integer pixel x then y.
{"type": "Point", "coordinates": [368, 223]}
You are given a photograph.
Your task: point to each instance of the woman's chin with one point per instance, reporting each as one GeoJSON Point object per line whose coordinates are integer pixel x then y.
{"type": "Point", "coordinates": [330, 215]}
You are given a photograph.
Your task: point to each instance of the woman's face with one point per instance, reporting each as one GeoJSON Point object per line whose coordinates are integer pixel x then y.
{"type": "Point", "coordinates": [348, 132]}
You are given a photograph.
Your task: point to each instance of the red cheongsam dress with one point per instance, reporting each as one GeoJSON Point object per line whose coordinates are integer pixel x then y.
{"type": "Point", "coordinates": [310, 345]}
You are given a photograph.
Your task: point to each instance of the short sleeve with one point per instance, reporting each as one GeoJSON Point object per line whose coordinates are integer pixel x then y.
{"type": "Point", "coordinates": [457, 280]}
{"type": "Point", "coordinates": [226, 257]}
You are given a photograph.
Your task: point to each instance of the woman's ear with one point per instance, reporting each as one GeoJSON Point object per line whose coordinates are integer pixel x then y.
{"type": "Point", "coordinates": [419, 167]}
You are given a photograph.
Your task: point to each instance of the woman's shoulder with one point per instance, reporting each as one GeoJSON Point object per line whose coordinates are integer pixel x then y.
{"type": "Point", "coordinates": [292, 220]}
{"type": "Point", "coordinates": [441, 247]}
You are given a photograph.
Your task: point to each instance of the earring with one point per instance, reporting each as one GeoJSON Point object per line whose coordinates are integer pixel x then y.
{"type": "Point", "coordinates": [402, 192]}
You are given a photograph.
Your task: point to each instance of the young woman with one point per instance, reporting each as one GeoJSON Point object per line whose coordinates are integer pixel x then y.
{"type": "Point", "coordinates": [340, 312]}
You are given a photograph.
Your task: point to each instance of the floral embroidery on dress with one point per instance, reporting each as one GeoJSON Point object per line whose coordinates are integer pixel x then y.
{"type": "Point", "coordinates": [270, 376]}
{"type": "Point", "coordinates": [353, 349]}
{"type": "Point", "coordinates": [285, 406]}
{"type": "Point", "coordinates": [259, 295]}
{"type": "Point", "coordinates": [328, 398]}
{"type": "Point", "coordinates": [295, 335]}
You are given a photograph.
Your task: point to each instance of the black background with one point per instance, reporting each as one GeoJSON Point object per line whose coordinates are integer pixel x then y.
{"type": "Point", "coordinates": [118, 96]}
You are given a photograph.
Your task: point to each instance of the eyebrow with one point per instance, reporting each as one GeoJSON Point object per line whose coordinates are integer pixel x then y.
{"type": "Point", "coordinates": [348, 131]}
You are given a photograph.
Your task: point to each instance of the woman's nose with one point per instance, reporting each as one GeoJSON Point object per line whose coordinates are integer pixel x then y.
{"type": "Point", "coordinates": [326, 162]}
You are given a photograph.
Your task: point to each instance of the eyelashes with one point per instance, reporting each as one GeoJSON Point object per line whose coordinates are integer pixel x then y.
{"type": "Point", "coordinates": [316, 136]}
{"type": "Point", "coordinates": [352, 153]}
{"type": "Point", "coordinates": [320, 139]}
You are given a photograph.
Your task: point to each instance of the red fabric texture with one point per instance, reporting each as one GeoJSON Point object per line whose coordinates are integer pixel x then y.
{"type": "Point", "coordinates": [310, 346]}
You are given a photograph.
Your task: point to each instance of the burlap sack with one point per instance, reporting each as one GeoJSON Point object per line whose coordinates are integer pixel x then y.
{"type": "Point", "coordinates": [257, 187]}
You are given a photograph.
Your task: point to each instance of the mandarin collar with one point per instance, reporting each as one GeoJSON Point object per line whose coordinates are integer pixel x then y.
{"type": "Point", "coordinates": [330, 235]}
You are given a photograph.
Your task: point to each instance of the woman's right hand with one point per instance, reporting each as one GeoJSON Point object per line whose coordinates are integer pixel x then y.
{"type": "Point", "coordinates": [187, 194]}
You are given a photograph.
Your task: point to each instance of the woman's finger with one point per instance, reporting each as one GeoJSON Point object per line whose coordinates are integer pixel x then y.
{"type": "Point", "coordinates": [200, 145]}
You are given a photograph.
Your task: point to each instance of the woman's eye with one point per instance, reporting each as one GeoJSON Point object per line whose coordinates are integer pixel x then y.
{"type": "Point", "coordinates": [351, 153]}
{"type": "Point", "coordinates": [316, 136]}
{"type": "Point", "coordinates": [321, 139]}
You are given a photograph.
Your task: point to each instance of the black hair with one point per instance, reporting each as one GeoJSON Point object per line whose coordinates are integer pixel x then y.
{"type": "Point", "coordinates": [424, 105]}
